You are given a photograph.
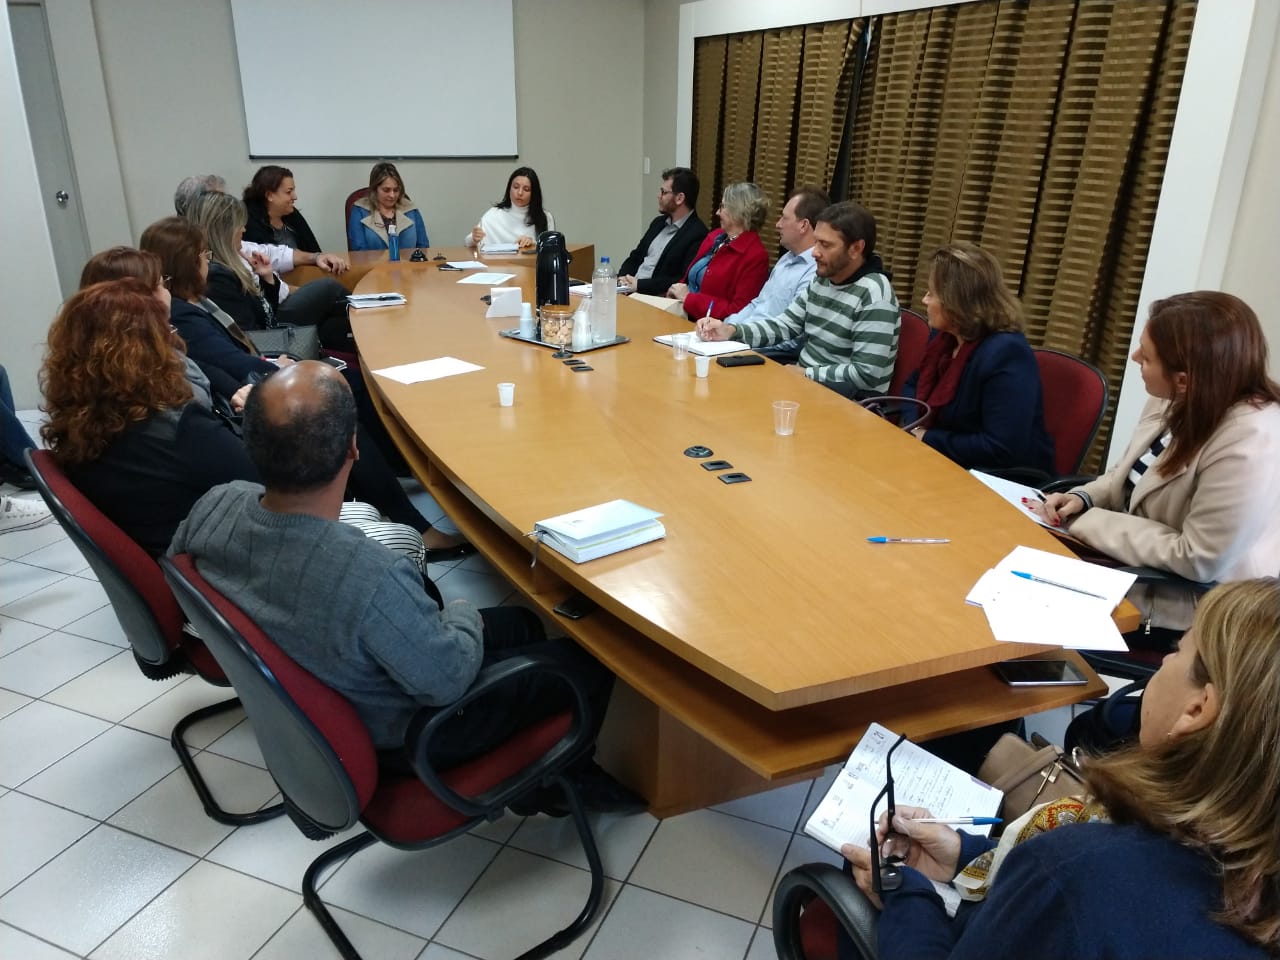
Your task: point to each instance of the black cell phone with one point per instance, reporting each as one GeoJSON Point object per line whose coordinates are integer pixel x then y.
{"type": "Point", "coordinates": [1039, 673]}
{"type": "Point", "coordinates": [575, 607]}
{"type": "Point", "coordinates": [741, 360]}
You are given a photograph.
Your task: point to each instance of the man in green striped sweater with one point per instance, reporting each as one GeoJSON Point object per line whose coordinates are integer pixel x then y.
{"type": "Point", "coordinates": [848, 313]}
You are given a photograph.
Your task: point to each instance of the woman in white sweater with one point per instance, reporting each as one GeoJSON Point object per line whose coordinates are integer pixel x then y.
{"type": "Point", "coordinates": [518, 217]}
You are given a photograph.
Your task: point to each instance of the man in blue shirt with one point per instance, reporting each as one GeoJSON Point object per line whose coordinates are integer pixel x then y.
{"type": "Point", "coordinates": [794, 268]}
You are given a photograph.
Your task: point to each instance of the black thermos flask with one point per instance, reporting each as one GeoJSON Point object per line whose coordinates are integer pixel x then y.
{"type": "Point", "coordinates": [552, 270]}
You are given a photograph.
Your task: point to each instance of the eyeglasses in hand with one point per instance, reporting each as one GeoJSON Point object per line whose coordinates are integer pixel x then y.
{"type": "Point", "coordinates": [886, 872]}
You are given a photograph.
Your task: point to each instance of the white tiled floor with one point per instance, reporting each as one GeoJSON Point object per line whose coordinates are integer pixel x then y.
{"type": "Point", "coordinates": [106, 853]}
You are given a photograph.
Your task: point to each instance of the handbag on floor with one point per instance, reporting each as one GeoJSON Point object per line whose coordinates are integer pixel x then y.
{"type": "Point", "coordinates": [1029, 774]}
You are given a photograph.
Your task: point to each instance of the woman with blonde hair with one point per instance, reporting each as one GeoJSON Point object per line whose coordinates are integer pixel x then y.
{"type": "Point", "coordinates": [978, 373]}
{"type": "Point", "coordinates": [1175, 852]}
{"type": "Point", "coordinates": [731, 265]}
{"type": "Point", "coordinates": [387, 204]}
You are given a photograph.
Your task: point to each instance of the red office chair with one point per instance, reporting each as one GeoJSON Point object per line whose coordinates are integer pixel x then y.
{"type": "Point", "coordinates": [320, 754]}
{"type": "Point", "coordinates": [1075, 399]}
{"type": "Point", "coordinates": [146, 609]}
{"type": "Point", "coordinates": [358, 194]}
{"type": "Point", "coordinates": [913, 337]}
{"type": "Point", "coordinates": [811, 900]}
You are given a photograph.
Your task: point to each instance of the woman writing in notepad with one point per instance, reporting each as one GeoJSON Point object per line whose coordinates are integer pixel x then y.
{"type": "Point", "coordinates": [1175, 852]}
{"type": "Point", "coordinates": [517, 218]}
{"type": "Point", "coordinates": [1197, 492]}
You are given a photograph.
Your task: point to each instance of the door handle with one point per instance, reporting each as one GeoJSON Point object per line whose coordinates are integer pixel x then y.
{"type": "Point", "coordinates": [62, 197]}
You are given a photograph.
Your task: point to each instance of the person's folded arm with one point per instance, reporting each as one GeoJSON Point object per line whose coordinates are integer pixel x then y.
{"type": "Point", "coordinates": [1007, 418]}
{"type": "Point", "coordinates": [914, 924]}
{"type": "Point", "coordinates": [431, 654]}
{"type": "Point", "coordinates": [1236, 481]}
{"type": "Point", "coordinates": [751, 275]}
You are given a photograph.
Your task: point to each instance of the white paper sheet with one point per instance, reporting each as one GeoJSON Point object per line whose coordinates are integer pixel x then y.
{"type": "Point", "coordinates": [499, 247]}
{"type": "Point", "coordinates": [487, 279]}
{"type": "Point", "coordinates": [1017, 617]}
{"type": "Point", "coordinates": [1014, 492]}
{"type": "Point", "coordinates": [466, 265]}
{"type": "Point", "coordinates": [424, 370]}
{"type": "Point", "coordinates": [503, 302]}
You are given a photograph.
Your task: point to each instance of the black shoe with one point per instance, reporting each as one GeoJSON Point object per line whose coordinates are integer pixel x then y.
{"type": "Point", "coordinates": [440, 554]}
{"type": "Point", "coordinates": [17, 476]}
{"type": "Point", "coordinates": [601, 793]}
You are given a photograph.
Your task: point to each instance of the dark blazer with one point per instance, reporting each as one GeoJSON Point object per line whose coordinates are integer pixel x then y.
{"type": "Point", "coordinates": [733, 278]}
{"type": "Point", "coordinates": [258, 229]}
{"type": "Point", "coordinates": [996, 419]}
{"type": "Point", "coordinates": [151, 475]}
{"type": "Point", "coordinates": [213, 348]}
{"type": "Point", "coordinates": [675, 258]}
{"type": "Point", "coordinates": [223, 288]}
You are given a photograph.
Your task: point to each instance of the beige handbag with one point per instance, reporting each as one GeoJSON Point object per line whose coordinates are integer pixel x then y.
{"type": "Point", "coordinates": [1029, 774]}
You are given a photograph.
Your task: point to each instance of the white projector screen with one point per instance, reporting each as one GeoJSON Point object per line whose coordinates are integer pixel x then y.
{"type": "Point", "coordinates": [377, 78]}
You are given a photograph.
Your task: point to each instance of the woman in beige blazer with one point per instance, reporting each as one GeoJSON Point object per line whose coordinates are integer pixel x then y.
{"type": "Point", "coordinates": [1197, 492]}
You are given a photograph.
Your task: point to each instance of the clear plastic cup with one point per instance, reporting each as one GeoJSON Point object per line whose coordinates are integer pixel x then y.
{"type": "Point", "coordinates": [506, 394]}
{"type": "Point", "coordinates": [784, 417]}
{"type": "Point", "coordinates": [680, 345]}
{"type": "Point", "coordinates": [702, 365]}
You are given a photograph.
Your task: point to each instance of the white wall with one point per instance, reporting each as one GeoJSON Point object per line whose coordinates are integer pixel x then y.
{"type": "Point", "coordinates": [174, 94]}
{"type": "Point", "coordinates": [27, 273]}
{"type": "Point", "coordinates": [1251, 271]}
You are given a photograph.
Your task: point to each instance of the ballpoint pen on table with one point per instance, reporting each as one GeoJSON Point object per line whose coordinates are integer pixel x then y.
{"type": "Point", "coordinates": [908, 540]}
{"type": "Point", "coordinates": [1054, 583]}
{"type": "Point", "coordinates": [960, 821]}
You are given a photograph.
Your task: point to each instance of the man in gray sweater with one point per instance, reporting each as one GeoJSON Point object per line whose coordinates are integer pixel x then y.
{"type": "Point", "coordinates": [348, 609]}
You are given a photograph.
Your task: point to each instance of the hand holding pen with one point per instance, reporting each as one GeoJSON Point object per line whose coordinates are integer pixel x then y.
{"type": "Point", "coordinates": [931, 848]}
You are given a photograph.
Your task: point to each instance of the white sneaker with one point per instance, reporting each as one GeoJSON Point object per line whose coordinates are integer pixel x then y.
{"type": "Point", "coordinates": [18, 514]}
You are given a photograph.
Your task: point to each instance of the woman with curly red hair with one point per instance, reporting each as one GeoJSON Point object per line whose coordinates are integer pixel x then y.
{"type": "Point", "coordinates": [122, 421]}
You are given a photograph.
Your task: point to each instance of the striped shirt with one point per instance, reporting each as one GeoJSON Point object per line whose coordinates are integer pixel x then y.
{"type": "Point", "coordinates": [1143, 464]}
{"type": "Point", "coordinates": [851, 330]}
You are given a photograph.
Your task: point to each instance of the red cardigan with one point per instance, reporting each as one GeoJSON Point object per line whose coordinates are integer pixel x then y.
{"type": "Point", "coordinates": [733, 278]}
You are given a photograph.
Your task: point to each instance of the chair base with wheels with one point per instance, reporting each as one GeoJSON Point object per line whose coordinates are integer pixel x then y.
{"type": "Point", "coordinates": [321, 756]}
{"type": "Point", "coordinates": [147, 611]}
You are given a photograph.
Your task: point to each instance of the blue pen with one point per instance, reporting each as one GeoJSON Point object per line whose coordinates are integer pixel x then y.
{"type": "Point", "coordinates": [1054, 583]}
{"type": "Point", "coordinates": [907, 540]}
{"type": "Point", "coordinates": [962, 821]}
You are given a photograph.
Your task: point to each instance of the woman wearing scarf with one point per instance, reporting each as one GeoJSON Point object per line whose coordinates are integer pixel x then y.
{"type": "Point", "coordinates": [978, 374]}
{"type": "Point", "coordinates": [1174, 853]}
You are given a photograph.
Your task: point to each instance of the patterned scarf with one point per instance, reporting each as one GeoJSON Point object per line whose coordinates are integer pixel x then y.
{"type": "Point", "coordinates": [975, 880]}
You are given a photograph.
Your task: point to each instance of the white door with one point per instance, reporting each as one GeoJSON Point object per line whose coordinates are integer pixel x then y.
{"type": "Point", "coordinates": [49, 140]}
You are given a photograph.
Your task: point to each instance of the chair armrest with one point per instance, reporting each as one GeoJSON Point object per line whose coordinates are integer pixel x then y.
{"type": "Point", "coordinates": [852, 909]}
{"type": "Point", "coordinates": [1066, 484]}
{"type": "Point", "coordinates": [1155, 575]}
{"type": "Point", "coordinates": [427, 722]}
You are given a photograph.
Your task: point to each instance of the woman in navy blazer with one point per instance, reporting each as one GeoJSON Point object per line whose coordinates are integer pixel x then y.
{"type": "Point", "coordinates": [978, 373]}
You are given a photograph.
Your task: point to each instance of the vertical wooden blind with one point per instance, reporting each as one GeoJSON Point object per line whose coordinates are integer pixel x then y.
{"type": "Point", "coordinates": [770, 108]}
{"type": "Point", "coordinates": [1038, 129]}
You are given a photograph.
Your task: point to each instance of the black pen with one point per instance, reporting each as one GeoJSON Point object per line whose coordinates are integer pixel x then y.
{"type": "Point", "coordinates": [380, 296]}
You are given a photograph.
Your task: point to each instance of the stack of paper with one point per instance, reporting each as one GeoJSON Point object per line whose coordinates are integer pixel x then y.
{"type": "Point", "coordinates": [488, 247]}
{"type": "Point", "coordinates": [705, 348]}
{"type": "Point", "coordinates": [363, 301]}
{"type": "Point", "coordinates": [1036, 597]}
{"type": "Point", "coordinates": [601, 530]}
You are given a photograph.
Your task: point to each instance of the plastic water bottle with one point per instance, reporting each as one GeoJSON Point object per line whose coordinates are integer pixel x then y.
{"type": "Point", "coordinates": [604, 306]}
{"type": "Point", "coordinates": [393, 242]}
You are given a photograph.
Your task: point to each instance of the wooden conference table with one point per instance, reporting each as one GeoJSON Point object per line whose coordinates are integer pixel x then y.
{"type": "Point", "coordinates": [755, 643]}
{"type": "Point", "coordinates": [362, 261]}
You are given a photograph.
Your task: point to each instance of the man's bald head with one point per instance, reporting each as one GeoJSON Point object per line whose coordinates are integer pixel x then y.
{"type": "Point", "coordinates": [298, 425]}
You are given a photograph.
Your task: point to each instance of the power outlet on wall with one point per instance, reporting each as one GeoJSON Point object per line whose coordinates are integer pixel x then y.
{"type": "Point", "coordinates": [646, 166]}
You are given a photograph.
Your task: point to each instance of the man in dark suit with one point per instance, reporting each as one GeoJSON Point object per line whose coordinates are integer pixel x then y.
{"type": "Point", "coordinates": [667, 247]}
